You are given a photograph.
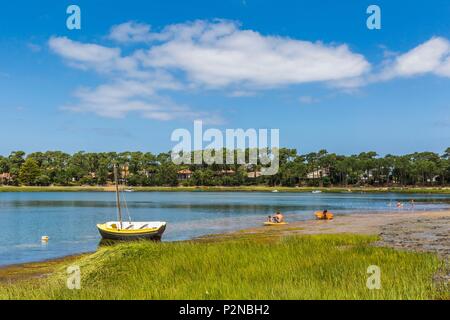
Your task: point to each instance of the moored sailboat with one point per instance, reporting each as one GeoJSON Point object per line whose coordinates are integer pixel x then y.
{"type": "Point", "coordinates": [128, 230]}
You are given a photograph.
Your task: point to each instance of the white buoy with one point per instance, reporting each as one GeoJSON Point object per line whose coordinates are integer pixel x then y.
{"type": "Point", "coordinates": [44, 238]}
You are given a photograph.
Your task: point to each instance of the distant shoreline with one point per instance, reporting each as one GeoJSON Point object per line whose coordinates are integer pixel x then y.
{"type": "Point", "coordinates": [406, 190]}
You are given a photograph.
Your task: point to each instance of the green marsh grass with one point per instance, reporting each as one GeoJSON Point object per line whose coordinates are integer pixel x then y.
{"type": "Point", "coordinates": [293, 267]}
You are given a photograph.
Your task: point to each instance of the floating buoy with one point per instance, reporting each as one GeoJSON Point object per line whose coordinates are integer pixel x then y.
{"type": "Point", "coordinates": [44, 238]}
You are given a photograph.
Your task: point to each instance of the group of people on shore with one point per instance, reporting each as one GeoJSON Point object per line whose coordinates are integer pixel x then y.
{"type": "Point", "coordinates": [279, 217]}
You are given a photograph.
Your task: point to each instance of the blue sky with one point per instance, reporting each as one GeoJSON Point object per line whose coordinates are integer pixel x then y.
{"type": "Point", "coordinates": [137, 70]}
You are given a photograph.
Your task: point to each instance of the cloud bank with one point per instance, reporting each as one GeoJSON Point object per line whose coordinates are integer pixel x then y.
{"type": "Point", "coordinates": [220, 55]}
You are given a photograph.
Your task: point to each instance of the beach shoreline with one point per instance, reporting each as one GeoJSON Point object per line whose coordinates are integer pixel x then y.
{"type": "Point", "coordinates": [421, 231]}
{"type": "Point", "coordinates": [414, 230]}
{"type": "Point", "coordinates": [257, 188]}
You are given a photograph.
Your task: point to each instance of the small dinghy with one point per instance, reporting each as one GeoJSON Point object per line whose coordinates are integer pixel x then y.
{"type": "Point", "coordinates": [121, 230]}
{"type": "Point", "coordinates": [320, 215]}
{"type": "Point", "coordinates": [268, 224]}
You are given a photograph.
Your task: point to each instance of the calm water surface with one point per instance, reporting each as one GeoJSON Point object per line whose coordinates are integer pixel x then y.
{"type": "Point", "coordinates": [69, 219]}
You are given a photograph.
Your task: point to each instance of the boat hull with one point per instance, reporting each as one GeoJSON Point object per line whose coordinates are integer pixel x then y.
{"type": "Point", "coordinates": [118, 235]}
{"type": "Point", "coordinates": [269, 224]}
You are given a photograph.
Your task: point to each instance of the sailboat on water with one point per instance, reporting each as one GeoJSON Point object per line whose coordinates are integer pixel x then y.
{"type": "Point", "coordinates": [128, 230]}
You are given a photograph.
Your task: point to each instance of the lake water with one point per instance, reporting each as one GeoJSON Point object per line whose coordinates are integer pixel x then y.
{"type": "Point", "coordinates": [70, 219]}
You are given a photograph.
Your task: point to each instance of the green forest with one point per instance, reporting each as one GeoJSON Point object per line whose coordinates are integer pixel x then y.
{"type": "Point", "coordinates": [322, 169]}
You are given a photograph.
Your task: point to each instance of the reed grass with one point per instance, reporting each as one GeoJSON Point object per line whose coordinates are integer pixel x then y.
{"type": "Point", "coordinates": [293, 267]}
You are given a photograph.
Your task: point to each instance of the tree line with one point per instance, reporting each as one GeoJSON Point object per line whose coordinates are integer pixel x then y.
{"type": "Point", "coordinates": [147, 169]}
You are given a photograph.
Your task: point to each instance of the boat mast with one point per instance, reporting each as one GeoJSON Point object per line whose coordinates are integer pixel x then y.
{"type": "Point", "coordinates": [119, 209]}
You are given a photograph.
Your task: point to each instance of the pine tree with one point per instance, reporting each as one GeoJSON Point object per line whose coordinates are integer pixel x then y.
{"type": "Point", "coordinates": [29, 172]}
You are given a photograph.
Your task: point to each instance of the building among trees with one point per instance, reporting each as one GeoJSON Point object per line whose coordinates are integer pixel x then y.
{"type": "Point", "coordinates": [146, 169]}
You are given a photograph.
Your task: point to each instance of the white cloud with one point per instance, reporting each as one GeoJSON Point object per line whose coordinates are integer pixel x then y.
{"type": "Point", "coordinates": [219, 54]}
{"type": "Point", "coordinates": [92, 56]}
{"type": "Point", "coordinates": [133, 32]}
{"type": "Point", "coordinates": [430, 57]}
{"type": "Point", "coordinates": [131, 89]}
{"type": "Point", "coordinates": [117, 99]}
{"type": "Point", "coordinates": [200, 54]}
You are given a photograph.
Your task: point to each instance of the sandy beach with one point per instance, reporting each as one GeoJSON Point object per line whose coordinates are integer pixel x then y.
{"type": "Point", "coordinates": [414, 230]}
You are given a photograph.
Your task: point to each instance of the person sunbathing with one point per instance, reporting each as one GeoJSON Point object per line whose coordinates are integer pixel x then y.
{"type": "Point", "coordinates": [278, 217]}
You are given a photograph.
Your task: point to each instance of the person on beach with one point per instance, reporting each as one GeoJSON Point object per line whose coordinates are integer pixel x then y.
{"type": "Point", "coordinates": [325, 213]}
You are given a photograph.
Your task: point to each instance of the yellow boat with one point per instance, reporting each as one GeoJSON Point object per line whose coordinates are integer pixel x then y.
{"type": "Point", "coordinates": [267, 223]}
{"type": "Point", "coordinates": [121, 230]}
{"type": "Point", "coordinates": [320, 215]}
{"type": "Point", "coordinates": [132, 230]}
